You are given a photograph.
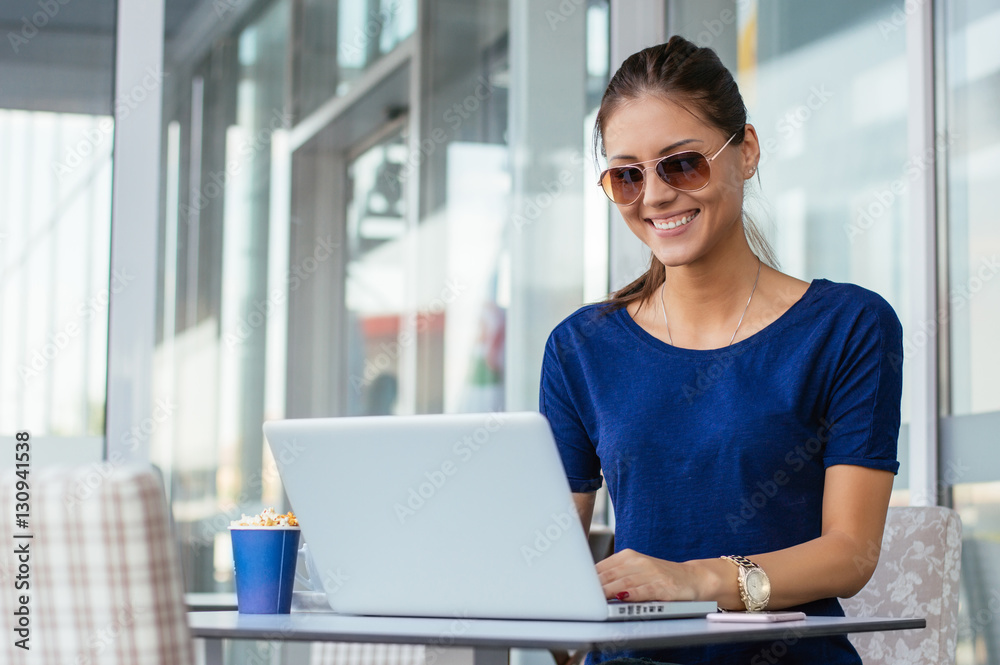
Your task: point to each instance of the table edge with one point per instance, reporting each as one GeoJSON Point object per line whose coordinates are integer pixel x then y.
{"type": "Point", "coordinates": [717, 634]}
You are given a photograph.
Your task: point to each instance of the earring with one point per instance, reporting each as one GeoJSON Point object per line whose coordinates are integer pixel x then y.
{"type": "Point", "coordinates": [751, 170]}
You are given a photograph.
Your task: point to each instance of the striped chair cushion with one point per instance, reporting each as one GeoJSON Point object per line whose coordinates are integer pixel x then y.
{"type": "Point", "coordinates": [105, 583]}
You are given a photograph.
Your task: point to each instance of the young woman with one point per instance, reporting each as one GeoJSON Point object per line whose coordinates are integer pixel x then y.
{"type": "Point", "coordinates": [745, 421]}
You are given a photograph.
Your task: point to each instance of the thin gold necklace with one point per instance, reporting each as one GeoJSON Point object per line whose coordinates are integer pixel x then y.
{"type": "Point", "coordinates": [663, 308]}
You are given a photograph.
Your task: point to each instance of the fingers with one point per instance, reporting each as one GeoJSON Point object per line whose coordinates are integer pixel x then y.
{"type": "Point", "coordinates": [623, 564]}
{"type": "Point", "coordinates": [628, 575]}
{"type": "Point", "coordinates": [634, 593]}
{"type": "Point", "coordinates": [625, 575]}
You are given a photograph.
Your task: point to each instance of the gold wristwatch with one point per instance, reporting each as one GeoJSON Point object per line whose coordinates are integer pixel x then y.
{"type": "Point", "coordinates": [755, 587]}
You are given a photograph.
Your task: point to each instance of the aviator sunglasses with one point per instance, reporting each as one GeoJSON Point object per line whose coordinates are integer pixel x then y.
{"type": "Point", "coordinates": [686, 171]}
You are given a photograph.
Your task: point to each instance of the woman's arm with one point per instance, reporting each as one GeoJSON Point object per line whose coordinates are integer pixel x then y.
{"type": "Point", "coordinates": [584, 502]}
{"type": "Point", "coordinates": [837, 564]}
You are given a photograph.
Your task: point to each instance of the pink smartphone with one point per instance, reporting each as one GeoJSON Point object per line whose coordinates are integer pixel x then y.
{"type": "Point", "coordinates": [755, 617]}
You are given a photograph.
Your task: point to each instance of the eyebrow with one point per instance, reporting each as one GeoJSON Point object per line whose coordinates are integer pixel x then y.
{"type": "Point", "coordinates": [665, 151]}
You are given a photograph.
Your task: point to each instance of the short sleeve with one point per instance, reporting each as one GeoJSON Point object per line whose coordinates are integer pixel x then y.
{"type": "Point", "coordinates": [862, 421]}
{"type": "Point", "coordinates": [555, 402]}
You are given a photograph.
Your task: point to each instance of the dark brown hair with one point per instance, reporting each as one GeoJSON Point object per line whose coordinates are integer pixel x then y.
{"type": "Point", "coordinates": [677, 70]}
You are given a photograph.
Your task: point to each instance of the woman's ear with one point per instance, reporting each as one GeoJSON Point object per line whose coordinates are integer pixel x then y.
{"type": "Point", "coordinates": [751, 151]}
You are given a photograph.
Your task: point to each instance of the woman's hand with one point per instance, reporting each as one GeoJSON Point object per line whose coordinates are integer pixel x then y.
{"type": "Point", "coordinates": [634, 576]}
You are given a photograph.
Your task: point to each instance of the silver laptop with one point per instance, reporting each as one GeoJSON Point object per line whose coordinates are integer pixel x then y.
{"type": "Point", "coordinates": [446, 516]}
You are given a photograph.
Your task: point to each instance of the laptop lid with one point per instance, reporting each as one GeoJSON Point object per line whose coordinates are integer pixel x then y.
{"type": "Point", "coordinates": [439, 515]}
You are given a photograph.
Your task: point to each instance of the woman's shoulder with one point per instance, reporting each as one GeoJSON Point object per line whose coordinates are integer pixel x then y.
{"type": "Point", "coordinates": [798, 309]}
{"type": "Point", "coordinates": [787, 291]}
{"type": "Point", "coordinates": [851, 298]}
{"type": "Point", "coordinates": [587, 322]}
{"type": "Point", "coordinates": [853, 314]}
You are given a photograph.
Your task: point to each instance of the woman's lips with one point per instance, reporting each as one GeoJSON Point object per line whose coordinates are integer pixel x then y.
{"type": "Point", "coordinates": [674, 222]}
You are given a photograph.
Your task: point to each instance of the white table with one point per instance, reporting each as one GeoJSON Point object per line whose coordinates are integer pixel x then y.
{"type": "Point", "coordinates": [462, 641]}
{"type": "Point", "coordinates": [210, 602]}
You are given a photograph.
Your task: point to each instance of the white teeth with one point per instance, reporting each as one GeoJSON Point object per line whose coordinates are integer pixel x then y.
{"type": "Point", "coordinates": [673, 225]}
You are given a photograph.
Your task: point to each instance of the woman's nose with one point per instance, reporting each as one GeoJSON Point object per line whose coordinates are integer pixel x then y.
{"type": "Point", "coordinates": [656, 192]}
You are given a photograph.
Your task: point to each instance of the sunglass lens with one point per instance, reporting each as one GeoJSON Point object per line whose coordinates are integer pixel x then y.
{"type": "Point", "coordinates": [622, 185]}
{"type": "Point", "coordinates": [686, 171]}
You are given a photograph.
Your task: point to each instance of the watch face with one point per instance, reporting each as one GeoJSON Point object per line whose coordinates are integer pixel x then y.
{"type": "Point", "coordinates": [758, 587]}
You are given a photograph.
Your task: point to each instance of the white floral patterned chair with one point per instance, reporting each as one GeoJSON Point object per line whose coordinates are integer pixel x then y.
{"type": "Point", "coordinates": [917, 576]}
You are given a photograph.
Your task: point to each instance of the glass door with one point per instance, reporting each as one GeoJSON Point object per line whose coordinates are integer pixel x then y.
{"type": "Point", "coordinates": [375, 279]}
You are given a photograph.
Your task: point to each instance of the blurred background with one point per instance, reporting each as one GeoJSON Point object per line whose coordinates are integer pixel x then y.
{"type": "Point", "coordinates": [384, 206]}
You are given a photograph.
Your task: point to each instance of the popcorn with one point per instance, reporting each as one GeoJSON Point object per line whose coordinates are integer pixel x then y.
{"type": "Point", "coordinates": [267, 517]}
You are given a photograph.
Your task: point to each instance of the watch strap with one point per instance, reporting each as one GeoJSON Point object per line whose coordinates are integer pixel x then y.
{"type": "Point", "coordinates": [745, 565]}
{"type": "Point", "coordinates": [740, 561]}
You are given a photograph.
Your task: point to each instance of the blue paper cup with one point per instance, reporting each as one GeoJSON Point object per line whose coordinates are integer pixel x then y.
{"type": "Point", "coordinates": [265, 568]}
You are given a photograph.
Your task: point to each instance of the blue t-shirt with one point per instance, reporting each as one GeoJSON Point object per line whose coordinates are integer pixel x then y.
{"type": "Point", "coordinates": [723, 451]}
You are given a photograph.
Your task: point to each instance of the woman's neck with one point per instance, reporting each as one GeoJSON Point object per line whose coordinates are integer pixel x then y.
{"type": "Point", "coordinates": [705, 300]}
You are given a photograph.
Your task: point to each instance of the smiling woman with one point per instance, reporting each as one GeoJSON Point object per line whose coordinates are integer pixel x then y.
{"type": "Point", "coordinates": [748, 439]}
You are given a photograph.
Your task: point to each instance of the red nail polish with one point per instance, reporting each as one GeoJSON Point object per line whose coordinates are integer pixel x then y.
{"type": "Point", "coordinates": [622, 596]}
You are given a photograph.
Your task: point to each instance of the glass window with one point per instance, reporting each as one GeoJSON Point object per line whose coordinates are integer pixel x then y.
{"type": "Point", "coordinates": [376, 275]}
{"type": "Point", "coordinates": [969, 91]}
{"type": "Point", "coordinates": [339, 41]}
{"type": "Point", "coordinates": [56, 135]}
{"type": "Point", "coordinates": [368, 262]}
{"type": "Point", "coordinates": [217, 311]}
{"type": "Point", "coordinates": [367, 30]}
{"type": "Point", "coordinates": [978, 505]}
{"type": "Point", "coordinates": [465, 189]}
